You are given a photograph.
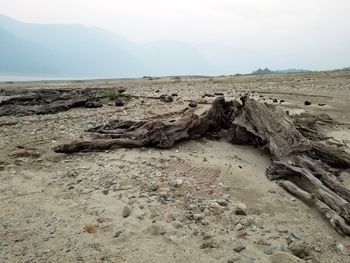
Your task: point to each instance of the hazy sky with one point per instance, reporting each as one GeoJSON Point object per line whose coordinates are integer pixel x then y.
{"type": "Point", "coordinates": [299, 26]}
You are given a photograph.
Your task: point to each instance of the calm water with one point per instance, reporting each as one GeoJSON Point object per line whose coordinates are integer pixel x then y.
{"type": "Point", "coordinates": [4, 78]}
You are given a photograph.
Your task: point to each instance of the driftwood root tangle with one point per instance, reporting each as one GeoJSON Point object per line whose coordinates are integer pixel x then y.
{"type": "Point", "coordinates": [304, 161]}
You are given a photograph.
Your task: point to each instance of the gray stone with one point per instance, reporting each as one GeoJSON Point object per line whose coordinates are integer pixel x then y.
{"type": "Point", "coordinates": [241, 209]}
{"type": "Point", "coordinates": [126, 211]}
{"type": "Point", "coordinates": [19, 239]}
{"type": "Point", "coordinates": [238, 248]}
{"type": "Point", "coordinates": [299, 248]}
{"type": "Point", "coordinates": [117, 234]}
{"type": "Point", "coordinates": [118, 102]}
{"type": "Point", "coordinates": [239, 226]}
{"type": "Point", "coordinates": [176, 183]}
{"type": "Point", "coordinates": [166, 98]}
{"type": "Point", "coordinates": [153, 187]}
{"type": "Point", "coordinates": [222, 202]}
{"type": "Point", "coordinates": [296, 236]}
{"type": "Point", "coordinates": [209, 243]}
{"type": "Point", "coordinates": [340, 248]}
{"type": "Point", "coordinates": [193, 104]}
{"type": "Point", "coordinates": [268, 250]}
{"type": "Point", "coordinates": [197, 217]}
{"type": "Point", "coordinates": [164, 194]}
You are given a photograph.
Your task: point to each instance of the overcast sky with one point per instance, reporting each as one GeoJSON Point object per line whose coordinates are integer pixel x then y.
{"type": "Point", "coordinates": [304, 26]}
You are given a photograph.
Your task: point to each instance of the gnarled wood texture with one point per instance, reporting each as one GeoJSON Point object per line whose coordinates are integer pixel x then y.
{"type": "Point", "coordinates": [303, 161]}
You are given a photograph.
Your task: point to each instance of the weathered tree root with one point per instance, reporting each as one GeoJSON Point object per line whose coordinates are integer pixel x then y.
{"type": "Point", "coordinates": [336, 221]}
{"type": "Point", "coordinates": [154, 133]}
{"type": "Point", "coordinates": [304, 162]}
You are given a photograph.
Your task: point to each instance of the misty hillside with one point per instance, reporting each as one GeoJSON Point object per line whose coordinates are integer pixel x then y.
{"type": "Point", "coordinates": [79, 50]}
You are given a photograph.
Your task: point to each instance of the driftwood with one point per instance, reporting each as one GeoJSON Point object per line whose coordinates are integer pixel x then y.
{"type": "Point", "coordinates": [154, 133]}
{"type": "Point", "coordinates": [304, 161]}
{"type": "Point", "coordinates": [48, 101]}
{"type": "Point", "coordinates": [23, 102]}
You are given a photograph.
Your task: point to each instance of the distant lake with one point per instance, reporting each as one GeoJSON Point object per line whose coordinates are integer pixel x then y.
{"type": "Point", "coordinates": [4, 78]}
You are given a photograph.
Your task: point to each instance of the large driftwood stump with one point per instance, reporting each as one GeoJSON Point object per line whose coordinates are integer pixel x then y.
{"type": "Point", "coordinates": [304, 161]}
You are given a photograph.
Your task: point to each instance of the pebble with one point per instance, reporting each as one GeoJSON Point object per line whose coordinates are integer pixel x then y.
{"type": "Point", "coordinates": [19, 239]}
{"type": "Point", "coordinates": [193, 104]}
{"type": "Point", "coordinates": [296, 236]}
{"type": "Point", "coordinates": [214, 205]}
{"type": "Point", "coordinates": [268, 250]}
{"type": "Point", "coordinates": [126, 211]}
{"type": "Point", "coordinates": [299, 249]}
{"type": "Point", "coordinates": [197, 217]}
{"type": "Point", "coordinates": [164, 194]}
{"type": "Point", "coordinates": [241, 209]}
{"type": "Point", "coordinates": [153, 187]}
{"type": "Point", "coordinates": [209, 243]}
{"type": "Point", "coordinates": [166, 98]}
{"type": "Point", "coordinates": [176, 183]}
{"type": "Point", "coordinates": [118, 102]}
{"type": "Point", "coordinates": [205, 222]}
{"type": "Point", "coordinates": [90, 228]}
{"type": "Point", "coordinates": [238, 248]}
{"type": "Point", "coordinates": [117, 234]}
{"type": "Point", "coordinates": [239, 226]}
{"type": "Point", "coordinates": [244, 221]}
{"type": "Point", "coordinates": [341, 248]}
{"type": "Point", "coordinates": [222, 202]}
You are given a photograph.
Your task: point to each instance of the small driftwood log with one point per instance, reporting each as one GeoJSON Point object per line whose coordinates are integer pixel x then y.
{"type": "Point", "coordinates": [304, 161]}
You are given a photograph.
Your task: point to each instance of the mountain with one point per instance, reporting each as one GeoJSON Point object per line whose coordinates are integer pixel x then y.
{"type": "Point", "coordinates": [20, 56]}
{"type": "Point", "coordinates": [83, 51]}
{"type": "Point", "coordinates": [267, 71]}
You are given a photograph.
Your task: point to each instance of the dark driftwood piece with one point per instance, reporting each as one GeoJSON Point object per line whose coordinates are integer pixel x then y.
{"type": "Point", "coordinates": [304, 162]}
{"type": "Point", "coordinates": [48, 101]}
{"type": "Point", "coordinates": [154, 133]}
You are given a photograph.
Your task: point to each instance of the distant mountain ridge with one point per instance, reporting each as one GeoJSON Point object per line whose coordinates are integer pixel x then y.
{"type": "Point", "coordinates": [266, 71]}
{"type": "Point", "coordinates": [79, 50]}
